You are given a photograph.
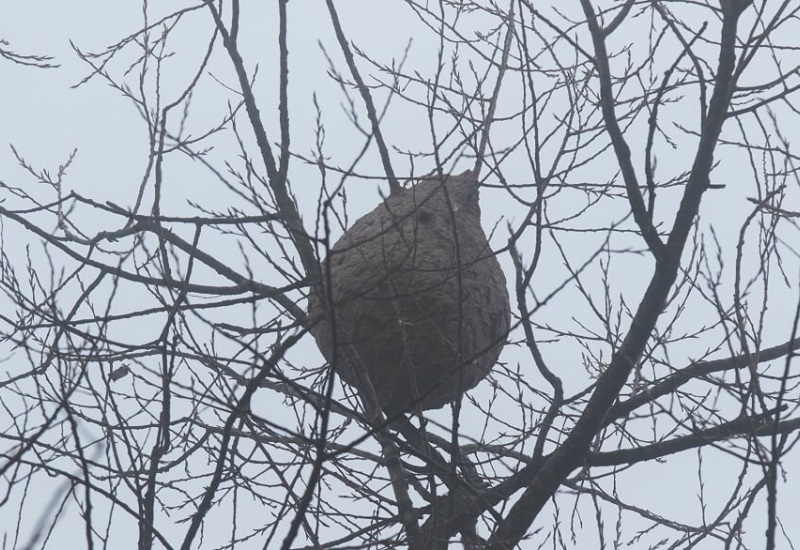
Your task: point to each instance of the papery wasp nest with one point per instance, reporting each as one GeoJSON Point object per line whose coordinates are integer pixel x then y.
{"type": "Point", "coordinates": [419, 297]}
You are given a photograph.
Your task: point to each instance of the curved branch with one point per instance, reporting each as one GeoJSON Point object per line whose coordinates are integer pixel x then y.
{"type": "Point", "coordinates": [623, 153]}
{"type": "Point", "coordinates": [242, 284]}
{"type": "Point", "coordinates": [693, 372]}
{"type": "Point", "coordinates": [759, 426]}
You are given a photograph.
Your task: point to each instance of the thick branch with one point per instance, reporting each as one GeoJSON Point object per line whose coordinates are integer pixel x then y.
{"type": "Point", "coordinates": [695, 371]}
{"type": "Point", "coordinates": [748, 426]}
{"type": "Point", "coordinates": [573, 451]}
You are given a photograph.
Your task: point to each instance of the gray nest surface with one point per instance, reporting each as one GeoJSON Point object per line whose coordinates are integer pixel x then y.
{"type": "Point", "coordinates": [418, 296]}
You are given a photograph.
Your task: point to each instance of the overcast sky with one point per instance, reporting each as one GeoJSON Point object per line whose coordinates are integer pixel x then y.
{"type": "Point", "coordinates": [45, 117]}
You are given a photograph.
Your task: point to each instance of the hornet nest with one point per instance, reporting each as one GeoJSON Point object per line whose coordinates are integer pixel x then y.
{"type": "Point", "coordinates": [418, 297]}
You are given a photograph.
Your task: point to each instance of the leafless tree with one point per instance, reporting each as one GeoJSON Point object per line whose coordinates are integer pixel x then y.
{"type": "Point", "coordinates": [638, 186]}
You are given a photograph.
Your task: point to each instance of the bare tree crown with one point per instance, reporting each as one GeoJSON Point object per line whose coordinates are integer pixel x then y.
{"type": "Point", "coordinates": [202, 350]}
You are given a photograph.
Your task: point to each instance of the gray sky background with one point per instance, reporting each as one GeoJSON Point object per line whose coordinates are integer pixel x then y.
{"type": "Point", "coordinates": [45, 119]}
